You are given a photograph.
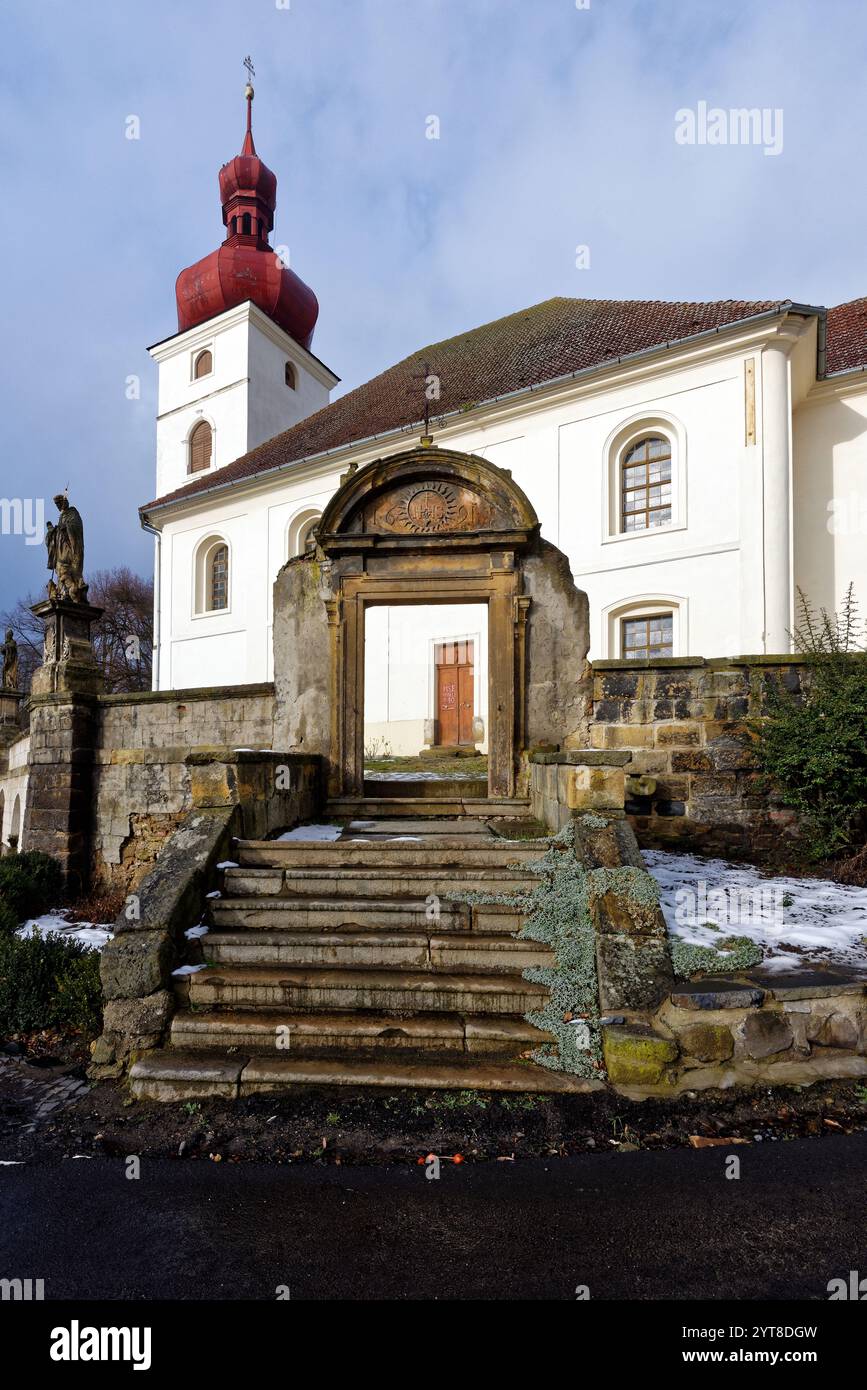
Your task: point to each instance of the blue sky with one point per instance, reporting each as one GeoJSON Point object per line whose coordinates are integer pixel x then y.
{"type": "Point", "coordinates": [556, 130]}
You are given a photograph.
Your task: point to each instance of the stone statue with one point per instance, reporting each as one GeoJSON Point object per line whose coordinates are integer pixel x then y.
{"type": "Point", "coordinates": [10, 662]}
{"type": "Point", "coordinates": [65, 543]}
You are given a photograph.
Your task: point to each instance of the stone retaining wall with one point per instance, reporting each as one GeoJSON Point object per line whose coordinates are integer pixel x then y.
{"type": "Point", "coordinates": [748, 1030]}
{"type": "Point", "coordinates": [562, 785]}
{"type": "Point", "coordinates": [693, 777]}
{"type": "Point", "coordinates": [143, 775]}
{"type": "Point", "coordinates": [149, 941]}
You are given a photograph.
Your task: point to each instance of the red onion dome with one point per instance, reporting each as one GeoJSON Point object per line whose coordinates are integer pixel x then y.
{"type": "Point", "coordinates": [246, 266]}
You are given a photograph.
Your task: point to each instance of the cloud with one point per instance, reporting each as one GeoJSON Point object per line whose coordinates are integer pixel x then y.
{"type": "Point", "coordinates": [557, 129]}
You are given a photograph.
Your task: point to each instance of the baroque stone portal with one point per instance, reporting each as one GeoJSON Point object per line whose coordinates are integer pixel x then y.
{"type": "Point", "coordinates": [429, 526]}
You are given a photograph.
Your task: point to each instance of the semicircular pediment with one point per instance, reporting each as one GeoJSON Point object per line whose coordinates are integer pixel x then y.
{"type": "Point", "coordinates": [428, 492]}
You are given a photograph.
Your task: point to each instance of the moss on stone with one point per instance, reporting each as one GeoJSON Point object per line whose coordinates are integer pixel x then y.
{"type": "Point", "coordinates": [557, 914]}
{"type": "Point", "coordinates": [627, 882]}
{"type": "Point", "coordinates": [735, 953]}
{"type": "Point", "coordinates": [636, 1056]}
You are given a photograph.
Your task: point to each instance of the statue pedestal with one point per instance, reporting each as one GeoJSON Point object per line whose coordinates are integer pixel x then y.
{"type": "Point", "coordinates": [63, 700]}
{"type": "Point", "coordinates": [10, 705]}
{"type": "Point", "coordinates": [68, 661]}
{"type": "Point", "coordinates": [10, 712]}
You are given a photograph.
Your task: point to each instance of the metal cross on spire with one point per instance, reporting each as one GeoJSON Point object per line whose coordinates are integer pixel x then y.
{"type": "Point", "coordinates": [431, 385]}
{"type": "Point", "coordinates": [251, 71]}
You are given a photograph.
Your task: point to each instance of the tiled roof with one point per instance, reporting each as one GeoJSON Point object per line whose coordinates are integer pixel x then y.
{"type": "Point", "coordinates": [540, 344]}
{"type": "Point", "coordinates": [847, 337]}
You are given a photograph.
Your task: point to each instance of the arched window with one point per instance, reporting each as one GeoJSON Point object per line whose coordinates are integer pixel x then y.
{"type": "Point", "coordinates": [15, 827]}
{"type": "Point", "coordinates": [2, 808]}
{"type": "Point", "coordinates": [306, 538]}
{"type": "Point", "coordinates": [204, 364]}
{"type": "Point", "coordinates": [647, 636]}
{"type": "Point", "coordinates": [645, 484]}
{"type": "Point", "coordinates": [646, 627]}
{"type": "Point", "coordinates": [211, 576]}
{"type": "Point", "coordinates": [291, 379]}
{"type": "Point", "coordinates": [201, 447]}
{"type": "Point", "coordinates": [645, 478]}
{"type": "Point", "coordinates": [246, 224]}
{"type": "Point", "coordinates": [300, 533]}
{"type": "Point", "coordinates": [218, 578]}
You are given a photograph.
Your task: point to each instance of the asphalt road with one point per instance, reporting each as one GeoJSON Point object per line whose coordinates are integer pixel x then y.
{"type": "Point", "coordinates": [639, 1225]}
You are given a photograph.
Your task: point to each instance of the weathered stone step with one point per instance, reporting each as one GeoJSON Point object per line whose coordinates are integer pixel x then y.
{"type": "Point", "coordinates": [376, 950]}
{"type": "Point", "coordinates": [369, 883]}
{"type": "Point", "coordinates": [466, 825]}
{"type": "Point", "coordinates": [273, 1073]}
{"type": "Point", "coordinates": [302, 1034]}
{"type": "Point", "coordinates": [373, 807]}
{"type": "Point", "coordinates": [427, 788]}
{"type": "Point", "coordinates": [174, 1075]}
{"type": "Point", "coordinates": [391, 854]}
{"type": "Point", "coordinates": [326, 989]}
{"type": "Point", "coordinates": [335, 914]}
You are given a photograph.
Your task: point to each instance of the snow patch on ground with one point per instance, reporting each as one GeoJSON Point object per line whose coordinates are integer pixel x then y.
{"type": "Point", "coordinates": [796, 921]}
{"type": "Point", "coordinates": [228, 864]}
{"type": "Point", "coordinates": [57, 923]}
{"type": "Point", "coordinates": [313, 832]}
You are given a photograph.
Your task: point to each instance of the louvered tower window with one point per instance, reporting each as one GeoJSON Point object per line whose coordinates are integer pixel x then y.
{"type": "Point", "coordinates": [201, 447]}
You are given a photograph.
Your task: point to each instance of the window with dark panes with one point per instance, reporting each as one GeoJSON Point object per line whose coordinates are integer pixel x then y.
{"type": "Point", "coordinates": [648, 637]}
{"type": "Point", "coordinates": [645, 484]}
{"type": "Point", "coordinates": [219, 585]}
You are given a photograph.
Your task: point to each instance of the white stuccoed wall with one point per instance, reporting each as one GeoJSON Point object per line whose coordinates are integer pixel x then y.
{"type": "Point", "coordinates": [245, 398]}
{"type": "Point", "coordinates": [399, 693]}
{"type": "Point", "coordinates": [749, 516]}
{"type": "Point", "coordinates": [13, 791]}
{"type": "Point", "coordinates": [830, 492]}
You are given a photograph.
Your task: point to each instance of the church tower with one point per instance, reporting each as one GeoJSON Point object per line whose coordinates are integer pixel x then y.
{"type": "Point", "coordinates": [240, 368]}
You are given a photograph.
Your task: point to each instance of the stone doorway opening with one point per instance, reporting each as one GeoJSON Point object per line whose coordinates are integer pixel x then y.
{"type": "Point", "coordinates": [426, 697]}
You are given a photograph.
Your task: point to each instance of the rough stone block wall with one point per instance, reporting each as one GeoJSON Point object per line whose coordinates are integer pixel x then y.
{"type": "Point", "coordinates": [684, 720]}
{"type": "Point", "coordinates": [233, 716]}
{"type": "Point", "coordinates": [60, 782]}
{"type": "Point", "coordinates": [564, 784]}
{"type": "Point", "coordinates": [142, 777]}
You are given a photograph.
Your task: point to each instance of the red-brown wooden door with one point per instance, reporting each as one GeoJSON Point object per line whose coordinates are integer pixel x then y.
{"type": "Point", "coordinates": [455, 692]}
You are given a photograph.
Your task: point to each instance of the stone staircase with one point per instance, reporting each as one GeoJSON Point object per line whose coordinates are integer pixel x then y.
{"type": "Point", "coordinates": [352, 962]}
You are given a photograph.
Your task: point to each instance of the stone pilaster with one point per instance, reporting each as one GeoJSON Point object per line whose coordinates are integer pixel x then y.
{"type": "Point", "coordinates": [63, 699]}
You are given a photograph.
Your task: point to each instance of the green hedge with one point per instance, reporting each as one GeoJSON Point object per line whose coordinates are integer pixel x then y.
{"type": "Point", "coordinates": [49, 982]}
{"type": "Point", "coordinates": [8, 919]}
{"type": "Point", "coordinates": [30, 884]}
{"type": "Point", "coordinates": [812, 746]}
